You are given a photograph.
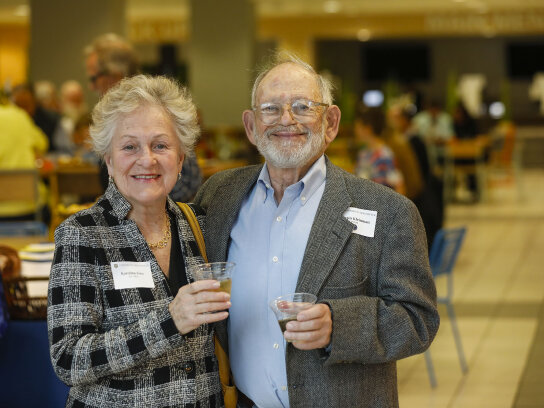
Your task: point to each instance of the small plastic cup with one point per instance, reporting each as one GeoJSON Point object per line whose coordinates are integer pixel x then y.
{"type": "Point", "coordinates": [219, 271]}
{"type": "Point", "coordinates": [287, 307]}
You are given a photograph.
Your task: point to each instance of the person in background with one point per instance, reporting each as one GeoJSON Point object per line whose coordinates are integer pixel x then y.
{"type": "Point", "coordinates": [429, 201]}
{"type": "Point", "coordinates": [47, 120]}
{"type": "Point", "coordinates": [72, 108]}
{"type": "Point", "coordinates": [375, 160]}
{"type": "Point", "coordinates": [466, 128]}
{"type": "Point", "coordinates": [46, 95]}
{"type": "Point", "coordinates": [47, 98]}
{"type": "Point", "coordinates": [464, 125]}
{"type": "Point", "coordinates": [298, 223]}
{"type": "Point", "coordinates": [72, 100]}
{"type": "Point", "coordinates": [435, 126]}
{"type": "Point", "coordinates": [406, 161]}
{"type": "Point", "coordinates": [83, 148]}
{"type": "Point", "coordinates": [21, 142]}
{"type": "Point", "coordinates": [110, 58]}
{"type": "Point", "coordinates": [127, 324]}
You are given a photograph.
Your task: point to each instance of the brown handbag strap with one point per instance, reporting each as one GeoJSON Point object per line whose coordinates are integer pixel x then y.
{"type": "Point", "coordinates": [224, 366]}
{"type": "Point", "coordinates": [195, 227]}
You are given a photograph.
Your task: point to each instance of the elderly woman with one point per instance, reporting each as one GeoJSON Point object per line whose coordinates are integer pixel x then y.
{"type": "Point", "coordinates": [127, 328]}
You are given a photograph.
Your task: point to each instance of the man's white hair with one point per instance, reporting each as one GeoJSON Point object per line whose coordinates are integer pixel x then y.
{"type": "Point", "coordinates": [285, 57]}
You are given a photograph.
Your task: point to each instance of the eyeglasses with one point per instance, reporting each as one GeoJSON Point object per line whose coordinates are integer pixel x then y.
{"type": "Point", "coordinates": [302, 110]}
{"type": "Point", "coordinates": [93, 78]}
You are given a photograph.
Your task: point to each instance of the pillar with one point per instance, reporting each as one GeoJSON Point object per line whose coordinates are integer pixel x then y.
{"type": "Point", "coordinates": [221, 59]}
{"type": "Point", "coordinates": [60, 30]}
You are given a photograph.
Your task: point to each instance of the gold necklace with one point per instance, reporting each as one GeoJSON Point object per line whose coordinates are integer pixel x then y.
{"type": "Point", "coordinates": [164, 240]}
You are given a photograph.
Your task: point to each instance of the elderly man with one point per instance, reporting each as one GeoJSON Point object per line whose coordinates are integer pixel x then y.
{"type": "Point", "coordinates": [108, 59]}
{"type": "Point", "coordinates": [301, 224]}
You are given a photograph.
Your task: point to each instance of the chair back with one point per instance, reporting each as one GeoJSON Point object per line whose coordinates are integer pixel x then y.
{"type": "Point", "coordinates": [22, 228]}
{"type": "Point", "coordinates": [19, 185]}
{"type": "Point", "coordinates": [81, 180]}
{"type": "Point", "coordinates": [445, 249]}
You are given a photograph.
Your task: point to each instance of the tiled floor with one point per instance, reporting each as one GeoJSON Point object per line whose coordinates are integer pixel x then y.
{"type": "Point", "coordinates": [499, 289]}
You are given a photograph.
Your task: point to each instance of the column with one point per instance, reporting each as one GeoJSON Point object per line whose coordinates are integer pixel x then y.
{"type": "Point", "coordinates": [60, 30]}
{"type": "Point", "coordinates": [221, 59]}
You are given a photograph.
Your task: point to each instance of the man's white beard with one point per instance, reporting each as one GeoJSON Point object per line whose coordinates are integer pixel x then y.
{"type": "Point", "coordinates": [286, 153]}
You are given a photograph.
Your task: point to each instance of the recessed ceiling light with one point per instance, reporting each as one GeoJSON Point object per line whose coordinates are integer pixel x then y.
{"type": "Point", "coordinates": [364, 34]}
{"type": "Point", "coordinates": [478, 6]}
{"type": "Point", "coordinates": [332, 6]}
{"type": "Point", "coordinates": [22, 10]}
{"type": "Point", "coordinates": [497, 110]}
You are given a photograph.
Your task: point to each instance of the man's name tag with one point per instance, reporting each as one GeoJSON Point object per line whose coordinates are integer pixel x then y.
{"type": "Point", "coordinates": [364, 220]}
{"type": "Point", "coordinates": [128, 275]}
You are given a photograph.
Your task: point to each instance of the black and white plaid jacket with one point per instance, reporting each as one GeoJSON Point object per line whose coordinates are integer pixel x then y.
{"type": "Point", "coordinates": [121, 348]}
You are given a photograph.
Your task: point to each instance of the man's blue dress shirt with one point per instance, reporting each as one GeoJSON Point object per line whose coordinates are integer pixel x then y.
{"type": "Point", "coordinates": [267, 244]}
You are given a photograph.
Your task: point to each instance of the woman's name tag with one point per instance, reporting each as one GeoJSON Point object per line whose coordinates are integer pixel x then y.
{"type": "Point", "coordinates": [128, 275]}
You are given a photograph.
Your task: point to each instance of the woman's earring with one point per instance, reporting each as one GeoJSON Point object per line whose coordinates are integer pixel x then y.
{"type": "Point", "coordinates": [179, 175]}
{"type": "Point", "coordinates": [110, 179]}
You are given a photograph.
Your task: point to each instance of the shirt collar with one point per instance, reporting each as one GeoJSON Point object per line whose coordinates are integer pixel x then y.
{"type": "Point", "coordinates": [306, 186]}
{"type": "Point", "coordinates": [120, 206]}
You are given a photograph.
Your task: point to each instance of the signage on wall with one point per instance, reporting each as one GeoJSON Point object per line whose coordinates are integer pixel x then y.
{"type": "Point", "coordinates": [491, 24]}
{"type": "Point", "coordinates": [158, 30]}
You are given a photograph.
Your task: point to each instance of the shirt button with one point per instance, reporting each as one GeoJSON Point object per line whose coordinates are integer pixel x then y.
{"type": "Point", "coordinates": [278, 218]}
{"type": "Point", "coordinates": [284, 388]}
{"type": "Point", "coordinates": [188, 367]}
{"type": "Point", "coordinates": [303, 198]}
{"type": "Point", "coordinates": [276, 346]}
{"type": "Point", "coordinates": [275, 259]}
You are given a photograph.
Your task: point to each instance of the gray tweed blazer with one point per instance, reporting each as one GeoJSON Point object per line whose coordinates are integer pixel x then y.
{"type": "Point", "coordinates": [380, 290]}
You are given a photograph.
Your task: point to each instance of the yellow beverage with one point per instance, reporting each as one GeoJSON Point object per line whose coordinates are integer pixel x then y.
{"type": "Point", "coordinates": [225, 285]}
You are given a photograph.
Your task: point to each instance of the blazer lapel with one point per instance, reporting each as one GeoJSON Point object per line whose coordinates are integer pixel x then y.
{"type": "Point", "coordinates": [223, 211]}
{"type": "Point", "coordinates": [329, 233]}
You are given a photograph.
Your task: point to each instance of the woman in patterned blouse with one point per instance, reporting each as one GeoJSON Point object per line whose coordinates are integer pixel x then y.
{"type": "Point", "coordinates": [375, 160]}
{"type": "Point", "coordinates": [128, 326]}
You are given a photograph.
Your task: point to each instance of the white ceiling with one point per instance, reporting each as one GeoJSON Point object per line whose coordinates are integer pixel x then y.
{"type": "Point", "coordinates": [277, 8]}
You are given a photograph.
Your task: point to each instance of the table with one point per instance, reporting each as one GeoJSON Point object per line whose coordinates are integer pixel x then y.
{"type": "Point", "coordinates": [465, 157]}
{"type": "Point", "coordinates": [19, 243]}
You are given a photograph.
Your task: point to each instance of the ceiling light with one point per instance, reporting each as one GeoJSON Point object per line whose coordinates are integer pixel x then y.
{"type": "Point", "coordinates": [478, 6]}
{"type": "Point", "coordinates": [364, 34]}
{"type": "Point", "coordinates": [497, 110]}
{"type": "Point", "coordinates": [332, 6]}
{"type": "Point", "coordinates": [22, 10]}
{"type": "Point", "coordinates": [373, 98]}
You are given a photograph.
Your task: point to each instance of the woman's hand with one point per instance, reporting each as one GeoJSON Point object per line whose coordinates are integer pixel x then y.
{"type": "Point", "coordinates": [193, 303]}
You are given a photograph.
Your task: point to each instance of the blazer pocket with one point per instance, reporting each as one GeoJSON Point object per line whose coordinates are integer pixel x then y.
{"type": "Point", "coordinates": [339, 292]}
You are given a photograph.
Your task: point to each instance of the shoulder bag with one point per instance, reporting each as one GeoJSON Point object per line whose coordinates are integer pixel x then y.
{"type": "Point", "coordinates": [230, 393]}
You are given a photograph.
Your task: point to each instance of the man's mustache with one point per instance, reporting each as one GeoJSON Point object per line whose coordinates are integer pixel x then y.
{"type": "Point", "coordinates": [287, 129]}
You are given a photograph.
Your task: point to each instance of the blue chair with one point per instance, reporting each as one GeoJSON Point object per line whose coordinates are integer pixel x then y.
{"type": "Point", "coordinates": [442, 258]}
{"type": "Point", "coordinates": [26, 375]}
{"type": "Point", "coordinates": [22, 228]}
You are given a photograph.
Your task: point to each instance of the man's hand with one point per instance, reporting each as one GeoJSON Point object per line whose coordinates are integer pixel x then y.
{"type": "Point", "coordinates": [312, 329]}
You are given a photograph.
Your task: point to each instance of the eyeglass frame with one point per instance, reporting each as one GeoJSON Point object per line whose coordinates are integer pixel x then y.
{"type": "Point", "coordinates": [256, 110]}
{"type": "Point", "coordinates": [93, 78]}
